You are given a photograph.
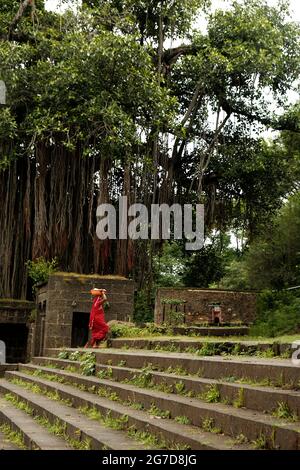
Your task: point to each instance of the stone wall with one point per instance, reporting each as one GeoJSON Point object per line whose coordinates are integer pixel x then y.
{"type": "Point", "coordinates": [67, 294]}
{"type": "Point", "coordinates": [15, 324]}
{"type": "Point", "coordinates": [235, 306]}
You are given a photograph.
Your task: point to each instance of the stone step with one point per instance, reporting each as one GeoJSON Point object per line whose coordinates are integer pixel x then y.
{"type": "Point", "coordinates": [166, 429]}
{"type": "Point", "coordinates": [232, 421]}
{"type": "Point", "coordinates": [34, 435]}
{"type": "Point", "coordinates": [278, 371]}
{"type": "Point", "coordinates": [5, 367]}
{"type": "Point", "coordinates": [78, 426]}
{"type": "Point", "coordinates": [5, 444]}
{"type": "Point", "coordinates": [215, 347]}
{"type": "Point", "coordinates": [59, 363]}
{"type": "Point", "coordinates": [255, 397]}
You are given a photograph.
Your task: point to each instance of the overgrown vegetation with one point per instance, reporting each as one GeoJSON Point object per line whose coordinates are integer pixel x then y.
{"type": "Point", "coordinates": [12, 436]}
{"type": "Point", "coordinates": [277, 313]}
{"type": "Point", "coordinates": [40, 269]}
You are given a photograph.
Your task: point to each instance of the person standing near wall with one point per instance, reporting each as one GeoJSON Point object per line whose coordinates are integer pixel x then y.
{"type": "Point", "coordinates": [97, 324]}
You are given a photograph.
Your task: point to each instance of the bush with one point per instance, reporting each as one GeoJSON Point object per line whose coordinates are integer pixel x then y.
{"type": "Point", "coordinates": [40, 269]}
{"type": "Point", "coordinates": [122, 330]}
{"type": "Point", "coordinates": [278, 313]}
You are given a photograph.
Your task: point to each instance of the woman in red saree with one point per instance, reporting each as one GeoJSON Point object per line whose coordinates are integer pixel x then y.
{"type": "Point", "coordinates": [99, 328]}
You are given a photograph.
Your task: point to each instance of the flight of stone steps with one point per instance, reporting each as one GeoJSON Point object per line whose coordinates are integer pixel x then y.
{"type": "Point", "coordinates": [123, 399]}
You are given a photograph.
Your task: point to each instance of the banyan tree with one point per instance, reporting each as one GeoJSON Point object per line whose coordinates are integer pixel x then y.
{"type": "Point", "coordinates": [139, 99]}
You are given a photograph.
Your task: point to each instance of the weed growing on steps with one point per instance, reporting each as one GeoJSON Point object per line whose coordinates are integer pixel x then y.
{"type": "Point", "coordinates": [164, 387]}
{"type": "Point", "coordinates": [107, 393]}
{"type": "Point", "coordinates": [12, 436]}
{"type": "Point", "coordinates": [57, 428]}
{"type": "Point", "coordinates": [63, 355]}
{"type": "Point", "coordinates": [34, 388]}
{"type": "Point", "coordinates": [191, 350]}
{"type": "Point", "coordinates": [239, 402]}
{"type": "Point", "coordinates": [208, 349]}
{"type": "Point", "coordinates": [283, 411]}
{"type": "Point", "coordinates": [21, 405]}
{"type": "Point", "coordinates": [71, 369]}
{"type": "Point", "coordinates": [260, 443]}
{"type": "Point", "coordinates": [182, 420]}
{"type": "Point", "coordinates": [286, 354]}
{"type": "Point", "coordinates": [268, 353]}
{"type": "Point", "coordinates": [121, 363]}
{"type": "Point", "coordinates": [134, 405]}
{"type": "Point", "coordinates": [180, 388]}
{"type": "Point", "coordinates": [75, 356]}
{"type": "Point", "coordinates": [87, 361]}
{"type": "Point", "coordinates": [143, 379]}
{"type": "Point", "coordinates": [39, 373]}
{"type": "Point", "coordinates": [209, 426]}
{"type": "Point", "coordinates": [50, 365]}
{"type": "Point", "coordinates": [241, 439]}
{"type": "Point", "coordinates": [176, 370]}
{"type": "Point", "coordinates": [153, 441]}
{"type": "Point", "coordinates": [155, 411]}
{"type": "Point", "coordinates": [102, 374]}
{"type": "Point", "coordinates": [105, 419]}
{"type": "Point", "coordinates": [172, 347]}
{"type": "Point", "coordinates": [212, 395]}
{"type": "Point", "coordinates": [87, 364]}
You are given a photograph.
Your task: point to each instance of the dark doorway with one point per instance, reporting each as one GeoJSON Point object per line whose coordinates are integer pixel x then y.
{"type": "Point", "coordinates": [15, 338]}
{"type": "Point", "coordinates": [80, 329]}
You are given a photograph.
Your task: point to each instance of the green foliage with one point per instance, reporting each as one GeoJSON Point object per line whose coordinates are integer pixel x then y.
{"type": "Point", "coordinates": [94, 83]}
{"type": "Point", "coordinates": [209, 426]}
{"type": "Point", "coordinates": [277, 313]}
{"type": "Point", "coordinates": [239, 402]}
{"type": "Point", "coordinates": [40, 269]}
{"type": "Point", "coordinates": [13, 436]}
{"type": "Point", "coordinates": [143, 379]}
{"type": "Point", "coordinates": [208, 349]}
{"type": "Point", "coordinates": [212, 395]}
{"type": "Point", "coordinates": [173, 301]}
{"type": "Point", "coordinates": [155, 411]}
{"type": "Point", "coordinates": [283, 411]}
{"type": "Point", "coordinates": [119, 330]}
{"type": "Point", "coordinates": [180, 387]}
{"type": "Point", "coordinates": [236, 276]}
{"type": "Point", "coordinates": [204, 267]}
{"type": "Point", "coordinates": [169, 265]}
{"type": "Point", "coordinates": [88, 364]}
{"type": "Point", "coordinates": [273, 259]}
{"type": "Point", "coordinates": [63, 355]}
{"type": "Point", "coordinates": [143, 307]}
{"type": "Point", "coordinates": [260, 442]}
{"type": "Point", "coordinates": [182, 420]}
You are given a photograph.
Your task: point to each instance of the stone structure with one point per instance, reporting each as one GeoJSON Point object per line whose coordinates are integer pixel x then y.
{"type": "Point", "coordinates": [201, 305]}
{"type": "Point", "coordinates": [64, 304]}
{"type": "Point", "coordinates": [15, 327]}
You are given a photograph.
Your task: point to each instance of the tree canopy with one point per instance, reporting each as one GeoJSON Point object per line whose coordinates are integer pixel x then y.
{"type": "Point", "coordinates": [131, 97]}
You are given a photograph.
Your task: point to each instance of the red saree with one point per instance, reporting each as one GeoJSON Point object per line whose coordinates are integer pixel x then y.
{"type": "Point", "coordinates": [97, 321]}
